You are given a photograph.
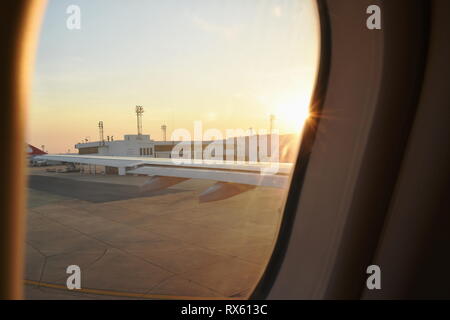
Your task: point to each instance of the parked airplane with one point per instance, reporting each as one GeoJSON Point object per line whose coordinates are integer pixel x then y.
{"type": "Point", "coordinates": [32, 153]}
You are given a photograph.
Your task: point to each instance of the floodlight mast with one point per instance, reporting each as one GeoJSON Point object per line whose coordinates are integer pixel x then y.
{"type": "Point", "coordinates": [100, 128]}
{"type": "Point", "coordinates": [164, 132]}
{"type": "Point", "coordinates": [139, 113]}
{"type": "Point", "coordinates": [272, 119]}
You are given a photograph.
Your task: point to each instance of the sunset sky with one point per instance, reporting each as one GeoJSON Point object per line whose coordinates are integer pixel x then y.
{"type": "Point", "coordinates": [227, 63]}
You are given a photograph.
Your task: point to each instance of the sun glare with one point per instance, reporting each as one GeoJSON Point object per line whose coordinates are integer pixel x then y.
{"type": "Point", "coordinates": [292, 113]}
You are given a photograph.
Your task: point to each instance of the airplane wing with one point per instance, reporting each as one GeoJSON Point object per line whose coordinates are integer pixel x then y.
{"type": "Point", "coordinates": [233, 177]}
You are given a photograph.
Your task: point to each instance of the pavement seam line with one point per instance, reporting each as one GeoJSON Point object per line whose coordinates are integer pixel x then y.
{"type": "Point", "coordinates": [122, 294]}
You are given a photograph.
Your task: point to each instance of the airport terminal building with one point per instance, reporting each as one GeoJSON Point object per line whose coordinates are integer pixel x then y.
{"type": "Point", "coordinates": [133, 145]}
{"type": "Point", "coordinates": [250, 147]}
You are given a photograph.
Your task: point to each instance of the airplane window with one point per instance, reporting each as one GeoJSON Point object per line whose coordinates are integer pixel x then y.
{"type": "Point", "coordinates": [162, 136]}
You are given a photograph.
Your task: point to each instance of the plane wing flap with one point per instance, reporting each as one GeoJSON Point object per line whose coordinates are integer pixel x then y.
{"type": "Point", "coordinates": [248, 178]}
{"type": "Point", "coordinates": [223, 190]}
{"type": "Point", "coordinates": [157, 183]}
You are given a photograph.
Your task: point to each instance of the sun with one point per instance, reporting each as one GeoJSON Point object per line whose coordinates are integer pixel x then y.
{"type": "Point", "coordinates": [291, 113]}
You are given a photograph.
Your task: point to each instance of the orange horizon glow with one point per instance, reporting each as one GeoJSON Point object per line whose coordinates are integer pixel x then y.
{"type": "Point", "coordinates": [232, 74]}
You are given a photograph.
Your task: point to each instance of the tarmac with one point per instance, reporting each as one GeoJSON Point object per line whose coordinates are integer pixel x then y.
{"type": "Point", "coordinates": [135, 245]}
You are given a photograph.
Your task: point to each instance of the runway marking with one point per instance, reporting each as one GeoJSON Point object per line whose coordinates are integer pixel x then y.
{"type": "Point", "coordinates": [122, 294]}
